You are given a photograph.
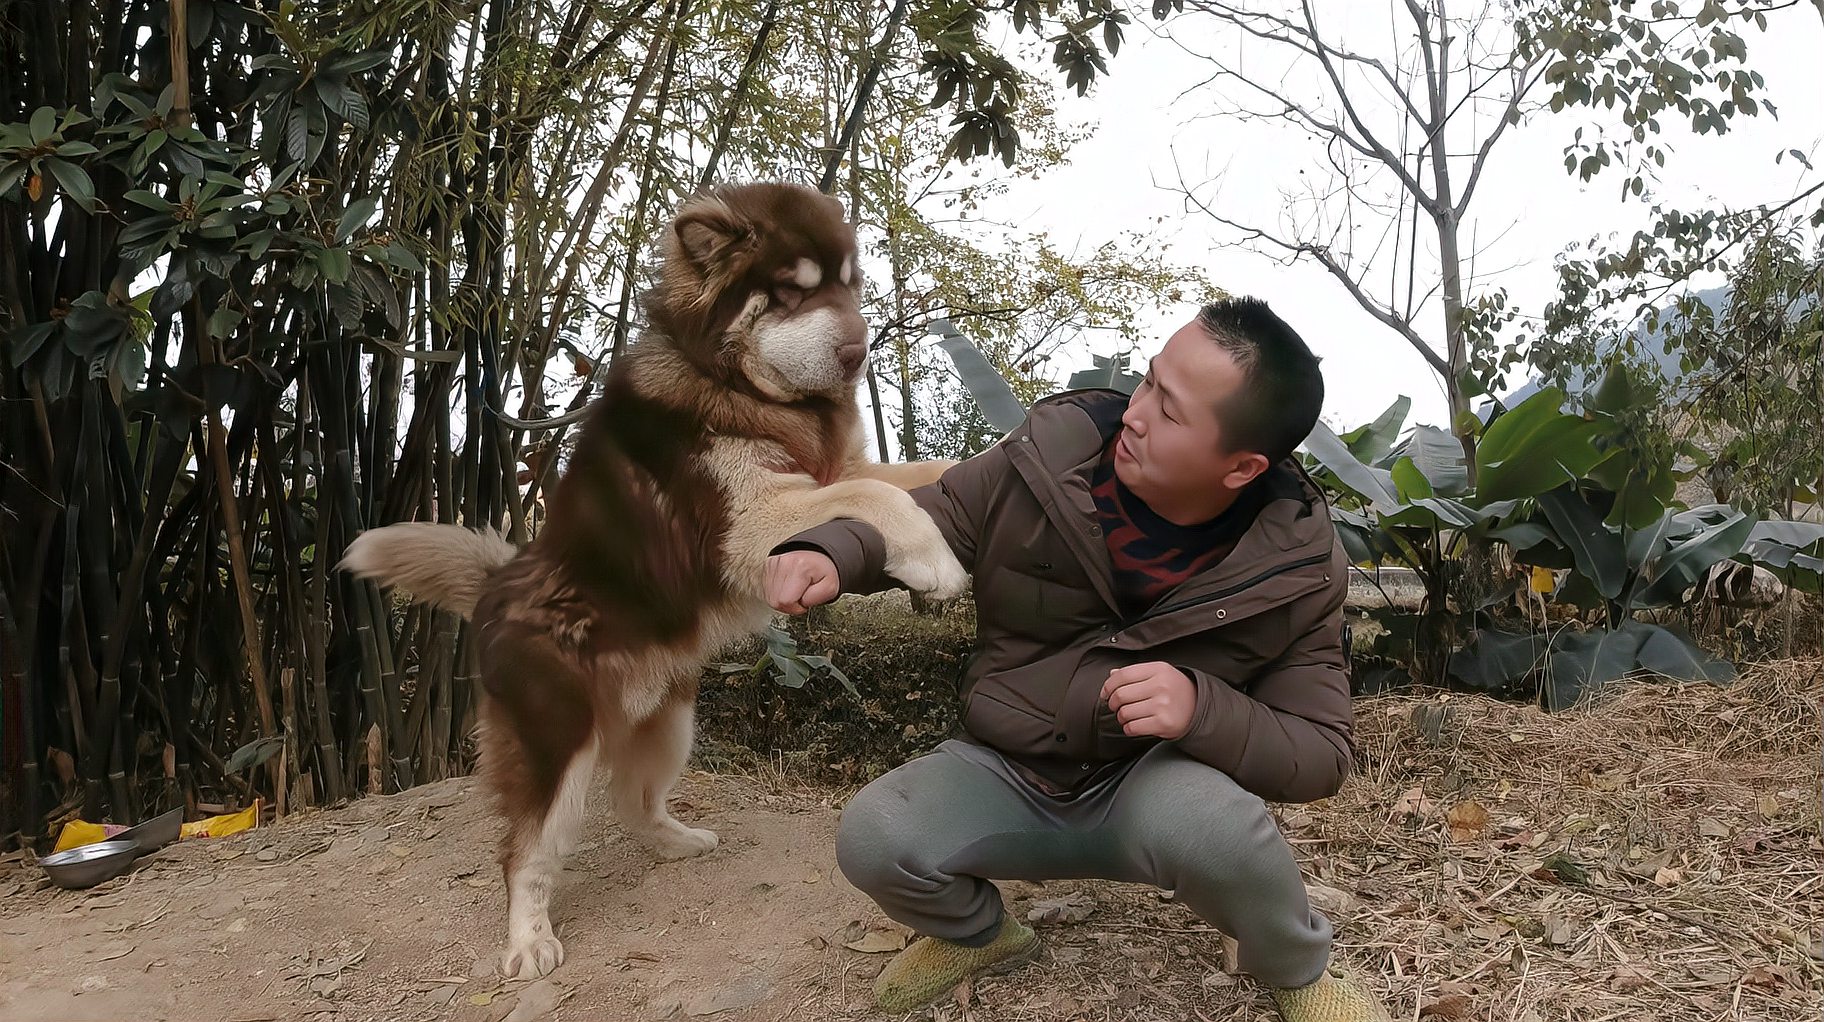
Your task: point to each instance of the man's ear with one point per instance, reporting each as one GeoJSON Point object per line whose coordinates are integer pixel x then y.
{"type": "Point", "coordinates": [711, 235]}
{"type": "Point", "coordinates": [1246, 468]}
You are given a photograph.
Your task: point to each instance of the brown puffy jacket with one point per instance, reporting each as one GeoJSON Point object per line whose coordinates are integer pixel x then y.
{"type": "Point", "coordinates": [1260, 633]}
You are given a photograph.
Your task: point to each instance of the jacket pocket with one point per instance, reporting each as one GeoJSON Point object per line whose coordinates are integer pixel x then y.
{"type": "Point", "coordinates": [1112, 743]}
{"type": "Point", "coordinates": [1006, 726]}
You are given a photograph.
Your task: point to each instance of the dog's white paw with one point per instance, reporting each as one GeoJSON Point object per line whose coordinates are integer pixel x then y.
{"type": "Point", "coordinates": [933, 572]}
{"type": "Point", "coordinates": [680, 842]}
{"type": "Point", "coordinates": [532, 957]}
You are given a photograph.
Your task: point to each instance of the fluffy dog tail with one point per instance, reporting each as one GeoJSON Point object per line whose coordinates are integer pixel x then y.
{"type": "Point", "coordinates": [444, 565]}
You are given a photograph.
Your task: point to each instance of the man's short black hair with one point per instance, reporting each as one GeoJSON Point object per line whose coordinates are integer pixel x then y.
{"type": "Point", "coordinates": [1284, 393]}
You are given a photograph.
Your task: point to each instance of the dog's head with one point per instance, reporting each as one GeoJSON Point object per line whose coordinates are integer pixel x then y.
{"type": "Point", "coordinates": [760, 287]}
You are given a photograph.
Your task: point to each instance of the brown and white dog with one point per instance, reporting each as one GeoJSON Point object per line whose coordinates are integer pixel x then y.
{"type": "Point", "coordinates": [730, 426]}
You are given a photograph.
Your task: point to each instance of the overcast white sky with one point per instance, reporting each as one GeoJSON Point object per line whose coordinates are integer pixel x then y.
{"type": "Point", "coordinates": [1526, 211]}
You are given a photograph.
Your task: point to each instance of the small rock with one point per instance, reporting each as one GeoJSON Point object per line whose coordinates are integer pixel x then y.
{"type": "Point", "coordinates": [91, 984]}
{"type": "Point", "coordinates": [266, 854]}
{"type": "Point", "coordinates": [220, 907]}
{"type": "Point", "coordinates": [238, 926]}
{"type": "Point", "coordinates": [482, 967]}
{"type": "Point", "coordinates": [374, 835]}
{"type": "Point", "coordinates": [537, 1001]}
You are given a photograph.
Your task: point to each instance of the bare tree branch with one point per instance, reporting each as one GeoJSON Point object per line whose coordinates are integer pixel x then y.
{"type": "Point", "coordinates": [1522, 86]}
{"type": "Point", "coordinates": [1324, 257]}
{"type": "Point", "coordinates": [1386, 156]}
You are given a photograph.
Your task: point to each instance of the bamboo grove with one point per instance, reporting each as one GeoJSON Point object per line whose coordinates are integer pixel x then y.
{"type": "Point", "coordinates": [275, 272]}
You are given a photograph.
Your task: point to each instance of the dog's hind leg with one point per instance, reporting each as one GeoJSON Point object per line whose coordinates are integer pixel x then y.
{"type": "Point", "coordinates": [539, 750]}
{"type": "Point", "coordinates": [532, 859]}
{"type": "Point", "coordinates": [645, 766]}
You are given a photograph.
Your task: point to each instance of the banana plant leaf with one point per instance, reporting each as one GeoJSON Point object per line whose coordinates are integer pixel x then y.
{"type": "Point", "coordinates": [991, 394]}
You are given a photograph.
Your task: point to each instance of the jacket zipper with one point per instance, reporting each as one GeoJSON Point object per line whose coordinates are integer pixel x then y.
{"type": "Point", "coordinates": [1222, 594]}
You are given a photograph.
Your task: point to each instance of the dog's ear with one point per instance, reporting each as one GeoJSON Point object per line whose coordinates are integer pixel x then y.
{"type": "Point", "coordinates": [713, 236]}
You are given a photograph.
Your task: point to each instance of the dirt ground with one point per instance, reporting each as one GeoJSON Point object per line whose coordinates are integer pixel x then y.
{"type": "Point", "coordinates": [1477, 866]}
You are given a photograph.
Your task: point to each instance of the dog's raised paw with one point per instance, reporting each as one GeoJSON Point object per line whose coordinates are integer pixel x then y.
{"type": "Point", "coordinates": [532, 958]}
{"type": "Point", "coordinates": [937, 574]}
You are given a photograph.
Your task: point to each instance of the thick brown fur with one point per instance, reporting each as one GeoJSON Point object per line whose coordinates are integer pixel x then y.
{"type": "Point", "coordinates": [729, 427]}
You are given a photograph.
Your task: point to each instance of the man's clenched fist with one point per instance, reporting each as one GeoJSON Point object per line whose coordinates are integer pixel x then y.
{"type": "Point", "coordinates": [798, 580]}
{"type": "Point", "coordinates": [1151, 699]}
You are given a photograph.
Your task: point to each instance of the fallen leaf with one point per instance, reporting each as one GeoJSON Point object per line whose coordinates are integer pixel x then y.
{"type": "Point", "coordinates": [1526, 926]}
{"type": "Point", "coordinates": [1668, 876]}
{"type": "Point", "coordinates": [1559, 932]}
{"type": "Point", "coordinates": [1764, 977]}
{"type": "Point", "coordinates": [1466, 820]}
{"type": "Point", "coordinates": [1559, 867]}
{"type": "Point", "coordinates": [1769, 806]}
{"type": "Point", "coordinates": [1450, 1006]}
{"type": "Point", "coordinates": [1072, 908]}
{"type": "Point", "coordinates": [876, 942]}
{"type": "Point", "coordinates": [1605, 782]}
{"type": "Point", "coordinates": [1627, 979]}
{"type": "Point", "coordinates": [1414, 803]}
{"type": "Point", "coordinates": [485, 998]}
{"type": "Point", "coordinates": [1712, 828]}
{"type": "Point", "coordinates": [1329, 900]}
{"type": "Point", "coordinates": [964, 995]}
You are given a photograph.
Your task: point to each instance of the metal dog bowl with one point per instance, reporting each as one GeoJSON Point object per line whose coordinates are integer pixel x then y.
{"type": "Point", "coordinates": [155, 833]}
{"type": "Point", "coordinates": [88, 865]}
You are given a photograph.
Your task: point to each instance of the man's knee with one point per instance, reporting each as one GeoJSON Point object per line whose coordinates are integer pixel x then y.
{"type": "Point", "coordinates": [876, 840]}
{"type": "Point", "coordinates": [1189, 810]}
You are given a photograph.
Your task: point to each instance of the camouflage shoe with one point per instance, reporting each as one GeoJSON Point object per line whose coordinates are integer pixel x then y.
{"type": "Point", "coordinates": [1334, 997]}
{"type": "Point", "coordinates": [924, 971]}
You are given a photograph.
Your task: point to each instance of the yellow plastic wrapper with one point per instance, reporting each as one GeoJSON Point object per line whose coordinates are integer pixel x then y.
{"type": "Point", "coordinates": [222, 826]}
{"type": "Point", "coordinates": [81, 832]}
{"type": "Point", "coordinates": [1543, 580]}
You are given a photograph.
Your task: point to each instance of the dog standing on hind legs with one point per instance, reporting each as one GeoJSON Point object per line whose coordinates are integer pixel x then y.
{"type": "Point", "coordinates": [728, 428]}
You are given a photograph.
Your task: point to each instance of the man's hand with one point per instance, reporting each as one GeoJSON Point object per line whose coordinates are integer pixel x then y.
{"type": "Point", "coordinates": [1151, 699]}
{"type": "Point", "coordinates": [798, 580]}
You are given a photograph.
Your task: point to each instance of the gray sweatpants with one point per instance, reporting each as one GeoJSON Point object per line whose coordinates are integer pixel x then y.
{"type": "Point", "coordinates": [924, 841]}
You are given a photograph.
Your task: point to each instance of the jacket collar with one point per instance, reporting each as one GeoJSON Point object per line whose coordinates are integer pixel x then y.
{"type": "Point", "coordinates": [1056, 451]}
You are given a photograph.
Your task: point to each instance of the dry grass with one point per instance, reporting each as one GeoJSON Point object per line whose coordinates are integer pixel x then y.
{"type": "Point", "coordinates": [1653, 856]}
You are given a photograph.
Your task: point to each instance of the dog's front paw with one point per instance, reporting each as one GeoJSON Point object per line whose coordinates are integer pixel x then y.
{"type": "Point", "coordinates": [933, 572]}
{"type": "Point", "coordinates": [680, 842]}
{"type": "Point", "coordinates": [531, 957]}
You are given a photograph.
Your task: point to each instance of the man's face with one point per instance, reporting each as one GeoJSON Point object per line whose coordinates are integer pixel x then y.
{"type": "Point", "coordinates": [1171, 451]}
